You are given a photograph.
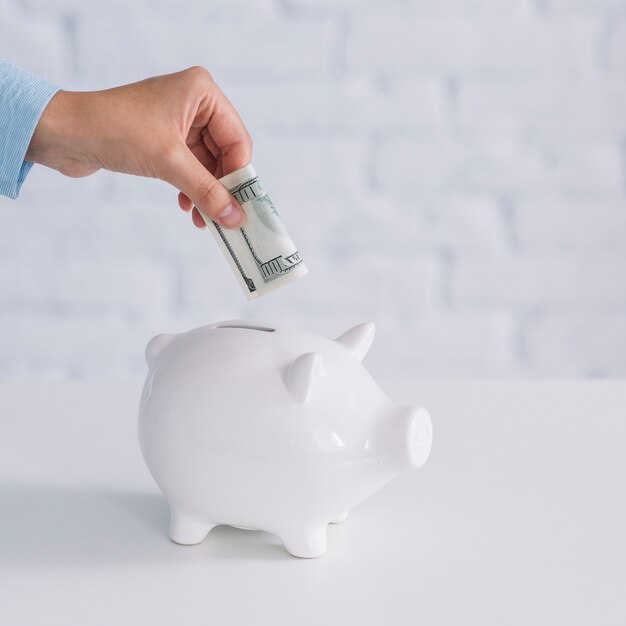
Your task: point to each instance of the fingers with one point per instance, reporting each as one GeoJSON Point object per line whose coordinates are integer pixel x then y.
{"type": "Point", "coordinates": [227, 136]}
{"type": "Point", "coordinates": [219, 144]}
{"type": "Point", "coordinates": [184, 202]}
{"type": "Point", "coordinates": [201, 188]}
{"type": "Point", "coordinates": [187, 205]}
{"type": "Point", "coordinates": [197, 219]}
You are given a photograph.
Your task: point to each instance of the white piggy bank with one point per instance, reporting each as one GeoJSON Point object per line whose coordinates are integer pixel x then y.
{"type": "Point", "coordinates": [271, 429]}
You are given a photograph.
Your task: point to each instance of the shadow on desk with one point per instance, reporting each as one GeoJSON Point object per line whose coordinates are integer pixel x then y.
{"type": "Point", "coordinates": [46, 526]}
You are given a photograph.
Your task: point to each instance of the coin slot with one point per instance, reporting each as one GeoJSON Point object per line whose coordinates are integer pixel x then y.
{"type": "Point", "coordinates": [264, 329]}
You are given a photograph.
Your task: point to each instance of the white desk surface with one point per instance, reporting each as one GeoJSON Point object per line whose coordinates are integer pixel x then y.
{"type": "Point", "coordinates": [519, 517]}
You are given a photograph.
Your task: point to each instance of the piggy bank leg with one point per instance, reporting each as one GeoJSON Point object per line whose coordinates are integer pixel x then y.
{"type": "Point", "coordinates": [187, 530]}
{"type": "Point", "coordinates": [342, 517]}
{"type": "Point", "coordinates": [306, 542]}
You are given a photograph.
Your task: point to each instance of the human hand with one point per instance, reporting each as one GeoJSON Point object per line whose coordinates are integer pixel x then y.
{"type": "Point", "coordinates": [179, 128]}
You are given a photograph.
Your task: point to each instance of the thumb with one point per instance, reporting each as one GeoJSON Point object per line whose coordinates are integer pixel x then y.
{"type": "Point", "coordinates": [209, 196]}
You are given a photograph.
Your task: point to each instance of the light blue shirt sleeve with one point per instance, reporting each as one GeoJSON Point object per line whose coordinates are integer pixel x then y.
{"type": "Point", "coordinates": [23, 98]}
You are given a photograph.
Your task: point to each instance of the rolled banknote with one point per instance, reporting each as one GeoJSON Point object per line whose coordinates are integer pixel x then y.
{"type": "Point", "coordinates": [261, 253]}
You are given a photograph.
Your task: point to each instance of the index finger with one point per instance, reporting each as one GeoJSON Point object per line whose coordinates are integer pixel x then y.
{"type": "Point", "coordinates": [227, 136]}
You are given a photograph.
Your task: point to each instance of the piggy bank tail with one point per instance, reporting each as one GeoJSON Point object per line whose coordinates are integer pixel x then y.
{"type": "Point", "coordinates": [156, 345]}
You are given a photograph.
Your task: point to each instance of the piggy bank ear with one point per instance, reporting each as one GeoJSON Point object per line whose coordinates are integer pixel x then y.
{"type": "Point", "coordinates": [302, 374]}
{"type": "Point", "coordinates": [156, 345]}
{"type": "Point", "coordinates": [358, 339]}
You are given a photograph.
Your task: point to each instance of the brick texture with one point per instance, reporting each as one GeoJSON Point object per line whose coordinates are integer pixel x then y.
{"type": "Point", "coordinates": [454, 170]}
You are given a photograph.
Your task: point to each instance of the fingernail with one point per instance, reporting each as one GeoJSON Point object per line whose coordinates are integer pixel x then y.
{"type": "Point", "coordinates": [231, 216]}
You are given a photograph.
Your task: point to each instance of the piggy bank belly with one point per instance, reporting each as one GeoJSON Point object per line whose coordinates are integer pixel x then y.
{"type": "Point", "coordinates": [225, 483]}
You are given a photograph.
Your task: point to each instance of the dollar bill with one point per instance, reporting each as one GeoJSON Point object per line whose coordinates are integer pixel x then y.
{"type": "Point", "coordinates": [261, 253]}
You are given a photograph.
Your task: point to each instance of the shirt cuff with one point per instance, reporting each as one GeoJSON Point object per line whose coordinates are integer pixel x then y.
{"type": "Point", "coordinates": [23, 98]}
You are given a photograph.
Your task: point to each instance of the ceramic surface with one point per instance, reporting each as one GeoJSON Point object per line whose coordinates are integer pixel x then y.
{"type": "Point", "coordinates": [272, 429]}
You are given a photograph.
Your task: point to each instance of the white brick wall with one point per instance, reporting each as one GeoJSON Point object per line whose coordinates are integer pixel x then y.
{"type": "Point", "coordinates": [464, 168]}
{"type": "Point", "coordinates": [545, 110]}
{"type": "Point", "coordinates": [498, 46]}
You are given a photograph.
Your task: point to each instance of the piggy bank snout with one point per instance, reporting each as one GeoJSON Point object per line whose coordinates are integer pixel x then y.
{"type": "Point", "coordinates": [419, 436]}
{"type": "Point", "coordinates": [406, 438]}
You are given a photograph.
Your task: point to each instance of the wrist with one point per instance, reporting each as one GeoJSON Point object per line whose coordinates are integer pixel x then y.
{"type": "Point", "coordinates": [61, 135]}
